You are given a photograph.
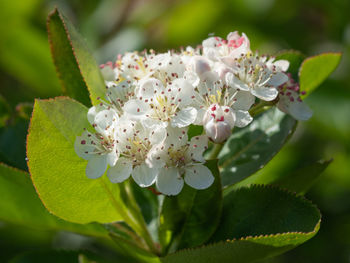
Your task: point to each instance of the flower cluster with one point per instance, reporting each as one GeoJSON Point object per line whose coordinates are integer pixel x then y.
{"type": "Point", "coordinates": [139, 128]}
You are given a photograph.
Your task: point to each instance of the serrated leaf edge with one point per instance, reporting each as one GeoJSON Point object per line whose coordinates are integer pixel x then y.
{"type": "Point", "coordinates": [52, 13]}
{"type": "Point", "coordinates": [27, 146]}
{"type": "Point", "coordinates": [248, 238]}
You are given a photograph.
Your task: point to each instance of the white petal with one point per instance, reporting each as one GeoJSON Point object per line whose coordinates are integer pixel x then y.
{"type": "Point", "coordinates": [243, 118]}
{"type": "Point", "coordinates": [200, 116]}
{"type": "Point", "coordinates": [282, 64]}
{"type": "Point", "coordinates": [169, 181]}
{"type": "Point", "coordinates": [298, 110]}
{"type": "Point", "coordinates": [278, 79]}
{"type": "Point", "coordinates": [82, 145]}
{"type": "Point", "coordinates": [149, 88]}
{"type": "Point", "coordinates": [183, 91]}
{"type": "Point", "coordinates": [234, 82]}
{"type": "Point", "coordinates": [192, 78]}
{"type": "Point", "coordinates": [244, 100]}
{"type": "Point", "coordinates": [96, 166]}
{"type": "Point", "coordinates": [112, 158]}
{"type": "Point", "coordinates": [265, 93]}
{"type": "Point", "coordinates": [91, 114]}
{"type": "Point", "coordinates": [136, 109]}
{"type": "Point", "coordinates": [200, 65]}
{"type": "Point", "coordinates": [176, 137]}
{"type": "Point", "coordinates": [121, 171]}
{"type": "Point", "coordinates": [158, 135]}
{"type": "Point", "coordinates": [198, 176]}
{"type": "Point", "coordinates": [105, 119]}
{"type": "Point", "coordinates": [184, 118]}
{"type": "Point", "coordinates": [143, 175]}
{"type": "Point", "coordinates": [196, 148]}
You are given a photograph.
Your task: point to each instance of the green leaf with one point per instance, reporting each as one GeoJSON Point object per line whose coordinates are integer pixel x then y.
{"type": "Point", "coordinates": [316, 69]}
{"type": "Point", "coordinates": [76, 67]}
{"type": "Point", "coordinates": [12, 142]}
{"type": "Point", "coordinates": [190, 218]}
{"type": "Point", "coordinates": [194, 130]}
{"type": "Point", "coordinates": [295, 59]}
{"type": "Point", "coordinates": [251, 148]}
{"type": "Point", "coordinates": [256, 223]}
{"type": "Point", "coordinates": [301, 180]}
{"type": "Point", "coordinates": [20, 205]}
{"type": "Point", "coordinates": [58, 173]}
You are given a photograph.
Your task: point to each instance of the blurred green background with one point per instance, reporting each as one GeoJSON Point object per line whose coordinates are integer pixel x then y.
{"type": "Point", "coordinates": [112, 27]}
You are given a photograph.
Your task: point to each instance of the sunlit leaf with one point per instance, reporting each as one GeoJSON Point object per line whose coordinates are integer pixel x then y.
{"type": "Point", "coordinates": [316, 69]}
{"type": "Point", "coordinates": [76, 67]}
{"type": "Point", "coordinates": [20, 205]}
{"type": "Point", "coordinates": [58, 173]}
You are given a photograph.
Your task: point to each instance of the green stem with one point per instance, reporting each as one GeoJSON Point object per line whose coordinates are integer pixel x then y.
{"type": "Point", "coordinates": [215, 151]}
{"type": "Point", "coordinates": [261, 107]}
{"type": "Point", "coordinates": [132, 216]}
{"type": "Point", "coordinates": [138, 217]}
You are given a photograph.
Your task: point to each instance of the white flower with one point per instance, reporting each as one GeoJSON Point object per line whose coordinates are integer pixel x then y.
{"type": "Point", "coordinates": [218, 49]}
{"type": "Point", "coordinates": [183, 163]}
{"type": "Point", "coordinates": [289, 101]}
{"type": "Point", "coordinates": [252, 73]}
{"type": "Point", "coordinates": [166, 67]}
{"type": "Point", "coordinates": [156, 103]}
{"type": "Point", "coordinates": [136, 143]}
{"type": "Point", "coordinates": [220, 107]}
{"type": "Point", "coordinates": [99, 148]}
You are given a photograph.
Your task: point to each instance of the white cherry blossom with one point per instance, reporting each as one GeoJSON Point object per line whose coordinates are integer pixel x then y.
{"type": "Point", "coordinates": [251, 73]}
{"type": "Point", "coordinates": [218, 49]}
{"type": "Point", "coordinates": [290, 102]}
{"type": "Point", "coordinates": [99, 147]}
{"type": "Point", "coordinates": [136, 143]}
{"type": "Point", "coordinates": [220, 107]}
{"type": "Point", "coordinates": [183, 162]}
{"type": "Point", "coordinates": [164, 105]}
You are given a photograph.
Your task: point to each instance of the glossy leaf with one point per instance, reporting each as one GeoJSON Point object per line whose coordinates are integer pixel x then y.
{"type": "Point", "coordinates": [251, 148]}
{"type": "Point", "coordinates": [257, 223]}
{"type": "Point", "coordinates": [76, 66]}
{"type": "Point", "coordinates": [58, 173]}
{"type": "Point", "coordinates": [301, 180]}
{"type": "Point", "coordinates": [20, 205]}
{"type": "Point", "coordinates": [190, 218]}
{"type": "Point", "coordinates": [316, 69]}
{"type": "Point", "coordinates": [12, 142]}
{"type": "Point", "coordinates": [298, 181]}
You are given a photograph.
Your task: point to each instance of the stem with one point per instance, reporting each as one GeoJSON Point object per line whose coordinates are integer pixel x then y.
{"type": "Point", "coordinates": [138, 217]}
{"type": "Point", "coordinates": [132, 216]}
{"type": "Point", "coordinates": [261, 107]}
{"type": "Point", "coordinates": [215, 151]}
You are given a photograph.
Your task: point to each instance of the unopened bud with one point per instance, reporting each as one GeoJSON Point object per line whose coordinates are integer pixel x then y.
{"type": "Point", "coordinates": [218, 132]}
{"type": "Point", "coordinates": [218, 122]}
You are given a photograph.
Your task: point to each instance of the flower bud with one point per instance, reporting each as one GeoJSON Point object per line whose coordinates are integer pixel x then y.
{"type": "Point", "coordinates": [218, 132]}
{"type": "Point", "coordinates": [218, 122]}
